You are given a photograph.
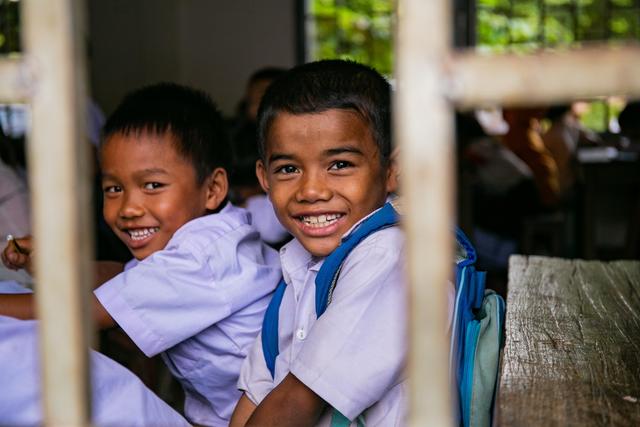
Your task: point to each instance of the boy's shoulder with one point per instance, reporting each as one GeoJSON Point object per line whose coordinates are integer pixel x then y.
{"type": "Point", "coordinates": [208, 228]}
{"type": "Point", "coordinates": [378, 254]}
{"type": "Point", "coordinates": [388, 238]}
{"type": "Point", "coordinates": [378, 230]}
{"type": "Point", "coordinates": [221, 238]}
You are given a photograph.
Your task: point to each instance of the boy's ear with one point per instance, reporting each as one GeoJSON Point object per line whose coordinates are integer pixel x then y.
{"type": "Point", "coordinates": [217, 188]}
{"type": "Point", "coordinates": [393, 172]}
{"type": "Point", "coordinates": [261, 173]}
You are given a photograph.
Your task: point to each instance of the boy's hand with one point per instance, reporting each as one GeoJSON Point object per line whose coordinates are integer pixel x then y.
{"type": "Point", "coordinates": [17, 253]}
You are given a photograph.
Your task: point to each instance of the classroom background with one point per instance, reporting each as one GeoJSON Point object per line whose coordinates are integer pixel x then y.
{"type": "Point", "coordinates": [554, 180]}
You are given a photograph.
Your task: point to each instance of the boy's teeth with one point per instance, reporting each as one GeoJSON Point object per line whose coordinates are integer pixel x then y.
{"type": "Point", "coordinates": [142, 233]}
{"type": "Point", "coordinates": [320, 220]}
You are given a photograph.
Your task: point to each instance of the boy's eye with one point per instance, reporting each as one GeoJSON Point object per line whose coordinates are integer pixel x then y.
{"type": "Point", "coordinates": [153, 185]}
{"type": "Point", "coordinates": [340, 164]}
{"type": "Point", "coordinates": [112, 189]}
{"type": "Point", "coordinates": [286, 169]}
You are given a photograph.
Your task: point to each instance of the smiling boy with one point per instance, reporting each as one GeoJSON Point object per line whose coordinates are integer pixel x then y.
{"type": "Point", "coordinates": [324, 130]}
{"type": "Point", "coordinates": [201, 278]}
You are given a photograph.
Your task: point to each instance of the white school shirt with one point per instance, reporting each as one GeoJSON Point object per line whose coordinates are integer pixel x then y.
{"type": "Point", "coordinates": [118, 397]}
{"type": "Point", "coordinates": [201, 301]}
{"type": "Point", "coordinates": [353, 356]}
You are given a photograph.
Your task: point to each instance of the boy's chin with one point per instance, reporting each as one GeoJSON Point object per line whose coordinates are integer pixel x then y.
{"type": "Point", "coordinates": [320, 247]}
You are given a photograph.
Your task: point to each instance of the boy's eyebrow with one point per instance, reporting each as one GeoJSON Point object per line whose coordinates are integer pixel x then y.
{"type": "Point", "coordinates": [143, 172]}
{"type": "Point", "coordinates": [278, 156]}
{"type": "Point", "coordinates": [152, 171]}
{"type": "Point", "coordinates": [327, 153]}
{"type": "Point", "coordinates": [342, 150]}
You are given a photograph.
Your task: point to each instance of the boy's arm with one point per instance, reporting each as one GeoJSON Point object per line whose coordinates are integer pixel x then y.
{"type": "Point", "coordinates": [17, 254]}
{"type": "Point", "coordinates": [242, 412]}
{"type": "Point", "coordinates": [22, 306]}
{"type": "Point", "coordinates": [105, 271]}
{"type": "Point", "coordinates": [291, 403]}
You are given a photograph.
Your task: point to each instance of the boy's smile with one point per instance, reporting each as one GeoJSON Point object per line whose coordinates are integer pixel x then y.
{"type": "Point", "coordinates": [150, 190]}
{"type": "Point", "coordinates": [323, 174]}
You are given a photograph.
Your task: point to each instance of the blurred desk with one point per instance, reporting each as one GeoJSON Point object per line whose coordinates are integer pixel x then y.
{"type": "Point", "coordinates": [572, 353]}
{"type": "Point", "coordinates": [611, 208]}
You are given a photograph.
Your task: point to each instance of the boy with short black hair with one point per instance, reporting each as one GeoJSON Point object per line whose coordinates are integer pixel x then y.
{"type": "Point", "coordinates": [201, 278]}
{"type": "Point", "coordinates": [326, 163]}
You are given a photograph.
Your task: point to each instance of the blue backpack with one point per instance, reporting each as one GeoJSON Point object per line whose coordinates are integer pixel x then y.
{"type": "Point", "coordinates": [476, 340]}
{"type": "Point", "coordinates": [327, 279]}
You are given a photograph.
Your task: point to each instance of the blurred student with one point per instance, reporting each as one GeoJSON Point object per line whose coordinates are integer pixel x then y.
{"type": "Point", "coordinates": [245, 188]}
{"type": "Point", "coordinates": [524, 139]}
{"type": "Point", "coordinates": [563, 137]}
{"type": "Point", "coordinates": [15, 206]}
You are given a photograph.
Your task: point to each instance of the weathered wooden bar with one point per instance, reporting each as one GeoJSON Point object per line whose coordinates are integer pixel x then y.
{"type": "Point", "coordinates": [572, 354]}
{"type": "Point", "coordinates": [424, 131]}
{"type": "Point", "coordinates": [545, 77]}
{"type": "Point", "coordinates": [60, 193]}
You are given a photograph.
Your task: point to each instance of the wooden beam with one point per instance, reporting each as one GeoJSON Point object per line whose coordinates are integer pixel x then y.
{"type": "Point", "coordinates": [544, 78]}
{"type": "Point", "coordinates": [14, 80]}
{"type": "Point", "coordinates": [60, 186]}
{"type": "Point", "coordinates": [423, 131]}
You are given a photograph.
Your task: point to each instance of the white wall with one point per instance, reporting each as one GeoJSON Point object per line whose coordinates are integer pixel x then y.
{"type": "Point", "coordinates": [210, 44]}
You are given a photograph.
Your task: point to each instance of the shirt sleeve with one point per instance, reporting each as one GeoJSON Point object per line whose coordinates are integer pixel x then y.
{"type": "Point", "coordinates": [165, 299]}
{"type": "Point", "coordinates": [355, 352]}
{"type": "Point", "coordinates": [255, 379]}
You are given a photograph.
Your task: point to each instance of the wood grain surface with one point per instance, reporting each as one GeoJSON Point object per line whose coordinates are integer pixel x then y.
{"type": "Point", "coordinates": [572, 352]}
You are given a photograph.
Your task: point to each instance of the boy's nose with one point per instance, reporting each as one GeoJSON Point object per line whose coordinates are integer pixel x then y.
{"type": "Point", "coordinates": [130, 207]}
{"type": "Point", "coordinates": [313, 188]}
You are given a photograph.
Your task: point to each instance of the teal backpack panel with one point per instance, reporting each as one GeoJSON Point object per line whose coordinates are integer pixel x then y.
{"type": "Point", "coordinates": [477, 336]}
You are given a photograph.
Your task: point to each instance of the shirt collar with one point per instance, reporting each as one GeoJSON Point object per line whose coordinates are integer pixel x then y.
{"type": "Point", "coordinates": [296, 260]}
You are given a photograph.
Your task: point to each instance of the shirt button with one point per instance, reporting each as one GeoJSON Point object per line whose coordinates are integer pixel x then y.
{"type": "Point", "coordinates": [301, 334]}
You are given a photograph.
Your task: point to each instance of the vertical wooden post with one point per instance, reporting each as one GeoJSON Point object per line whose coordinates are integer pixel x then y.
{"type": "Point", "coordinates": [424, 123]}
{"type": "Point", "coordinates": [60, 184]}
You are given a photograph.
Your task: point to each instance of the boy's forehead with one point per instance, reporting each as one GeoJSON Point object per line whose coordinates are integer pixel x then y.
{"type": "Point", "coordinates": [130, 140]}
{"type": "Point", "coordinates": [288, 130]}
{"type": "Point", "coordinates": [142, 134]}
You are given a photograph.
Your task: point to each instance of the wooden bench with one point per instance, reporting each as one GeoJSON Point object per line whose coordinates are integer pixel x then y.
{"type": "Point", "coordinates": [572, 352]}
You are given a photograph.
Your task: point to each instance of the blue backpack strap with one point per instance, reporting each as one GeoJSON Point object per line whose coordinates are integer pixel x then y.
{"type": "Point", "coordinates": [270, 328]}
{"type": "Point", "coordinates": [328, 275]}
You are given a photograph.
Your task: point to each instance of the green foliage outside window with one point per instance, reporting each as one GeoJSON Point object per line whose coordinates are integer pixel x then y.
{"type": "Point", "coordinates": [525, 25]}
{"type": "Point", "coordinates": [9, 27]}
{"type": "Point", "coordinates": [361, 30]}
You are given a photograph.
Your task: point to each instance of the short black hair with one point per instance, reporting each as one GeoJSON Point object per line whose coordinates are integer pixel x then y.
{"type": "Point", "coordinates": [189, 115]}
{"type": "Point", "coordinates": [330, 84]}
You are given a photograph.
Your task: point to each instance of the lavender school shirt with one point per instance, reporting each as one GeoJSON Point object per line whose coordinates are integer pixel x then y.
{"type": "Point", "coordinates": [119, 398]}
{"type": "Point", "coordinates": [201, 301]}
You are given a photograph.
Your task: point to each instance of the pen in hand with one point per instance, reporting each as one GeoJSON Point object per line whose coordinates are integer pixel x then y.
{"type": "Point", "coordinates": [13, 240]}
